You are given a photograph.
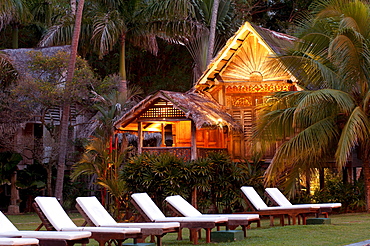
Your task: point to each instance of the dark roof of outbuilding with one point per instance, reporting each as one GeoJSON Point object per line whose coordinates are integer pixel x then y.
{"type": "Point", "coordinates": [197, 106]}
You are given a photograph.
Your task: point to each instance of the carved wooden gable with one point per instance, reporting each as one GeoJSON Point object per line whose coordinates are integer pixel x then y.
{"type": "Point", "coordinates": [251, 63]}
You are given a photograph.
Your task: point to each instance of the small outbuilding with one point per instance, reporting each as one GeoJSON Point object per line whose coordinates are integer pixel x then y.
{"type": "Point", "coordinates": [188, 124]}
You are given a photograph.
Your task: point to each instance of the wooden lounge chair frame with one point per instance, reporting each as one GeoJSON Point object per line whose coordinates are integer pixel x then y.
{"type": "Point", "coordinates": [194, 227]}
{"type": "Point", "coordinates": [293, 213]}
{"type": "Point", "coordinates": [157, 232]}
{"type": "Point", "coordinates": [102, 238]}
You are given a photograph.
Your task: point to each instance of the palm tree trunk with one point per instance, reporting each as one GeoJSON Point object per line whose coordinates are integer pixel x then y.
{"type": "Point", "coordinates": [66, 106]}
{"type": "Point", "coordinates": [48, 13]}
{"type": "Point", "coordinates": [212, 31]}
{"type": "Point", "coordinates": [122, 65]}
{"type": "Point", "coordinates": [15, 36]}
{"type": "Point", "coordinates": [49, 178]}
{"type": "Point", "coordinates": [366, 172]}
{"type": "Point", "coordinates": [62, 152]}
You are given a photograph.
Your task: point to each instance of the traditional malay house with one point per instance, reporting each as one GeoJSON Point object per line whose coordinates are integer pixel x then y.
{"type": "Point", "coordinates": [218, 113]}
{"type": "Point", "coordinates": [30, 137]}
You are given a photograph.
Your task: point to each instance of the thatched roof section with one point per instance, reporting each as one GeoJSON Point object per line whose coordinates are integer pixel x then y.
{"type": "Point", "coordinates": [21, 58]}
{"type": "Point", "coordinates": [273, 41]}
{"type": "Point", "coordinates": [203, 110]}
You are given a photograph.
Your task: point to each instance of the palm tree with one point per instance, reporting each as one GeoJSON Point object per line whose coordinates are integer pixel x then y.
{"type": "Point", "coordinates": [66, 104]}
{"type": "Point", "coordinates": [331, 116]}
{"type": "Point", "coordinates": [110, 22]}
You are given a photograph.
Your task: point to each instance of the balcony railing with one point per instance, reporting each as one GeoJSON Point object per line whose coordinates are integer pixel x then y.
{"type": "Point", "coordinates": [183, 152]}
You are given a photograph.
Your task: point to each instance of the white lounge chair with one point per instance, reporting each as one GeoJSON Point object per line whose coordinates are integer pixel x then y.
{"type": "Point", "coordinates": [19, 241]}
{"type": "Point", "coordinates": [7, 229]}
{"type": "Point", "coordinates": [278, 198]}
{"type": "Point", "coordinates": [96, 215]}
{"type": "Point", "coordinates": [260, 207]}
{"type": "Point", "coordinates": [54, 217]}
{"type": "Point", "coordinates": [183, 208]}
{"type": "Point", "coordinates": [151, 213]}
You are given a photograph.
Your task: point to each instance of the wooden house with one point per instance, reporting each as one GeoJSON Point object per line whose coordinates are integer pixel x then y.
{"type": "Point", "coordinates": [219, 112]}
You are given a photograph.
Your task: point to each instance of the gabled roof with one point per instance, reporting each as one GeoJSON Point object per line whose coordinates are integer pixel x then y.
{"type": "Point", "coordinates": [204, 111]}
{"type": "Point", "coordinates": [274, 42]}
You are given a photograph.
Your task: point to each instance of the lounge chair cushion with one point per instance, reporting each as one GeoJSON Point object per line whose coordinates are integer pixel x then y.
{"type": "Point", "coordinates": [254, 198]}
{"type": "Point", "coordinates": [278, 197]}
{"type": "Point", "coordinates": [260, 205]}
{"type": "Point", "coordinates": [100, 217]}
{"type": "Point", "coordinates": [281, 200]}
{"type": "Point", "coordinates": [61, 221]}
{"type": "Point", "coordinates": [148, 206]}
{"type": "Point", "coordinates": [5, 224]}
{"type": "Point", "coordinates": [155, 214]}
{"type": "Point", "coordinates": [55, 213]}
{"type": "Point", "coordinates": [7, 229]}
{"type": "Point", "coordinates": [47, 234]}
{"type": "Point", "coordinates": [95, 211]}
{"type": "Point", "coordinates": [187, 210]}
{"type": "Point", "coordinates": [18, 241]}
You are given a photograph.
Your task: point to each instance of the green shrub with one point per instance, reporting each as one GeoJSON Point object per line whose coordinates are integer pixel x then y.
{"type": "Point", "coordinates": [351, 196]}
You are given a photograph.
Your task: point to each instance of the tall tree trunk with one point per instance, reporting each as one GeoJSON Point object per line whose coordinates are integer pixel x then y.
{"type": "Point", "coordinates": [49, 178]}
{"type": "Point", "coordinates": [366, 173]}
{"type": "Point", "coordinates": [48, 13]}
{"type": "Point", "coordinates": [122, 65]}
{"type": "Point", "coordinates": [15, 36]}
{"type": "Point", "coordinates": [212, 31]}
{"type": "Point", "coordinates": [14, 195]}
{"type": "Point", "coordinates": [63, 138]}
{"type": "Point", "coordinates": [66, 106]}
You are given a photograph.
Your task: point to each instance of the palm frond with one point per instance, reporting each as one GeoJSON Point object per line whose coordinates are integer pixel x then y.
{"type": "Point", "coordinates": [60, 34]}
{"type": "Point", "coordinates": [356, 130]}
{"type": "Point", "coordinates": [107, 28]}
{"type": "Point", "coordinates": [306, 150]}
{"type": "Point", "coordinates": [321, 104]}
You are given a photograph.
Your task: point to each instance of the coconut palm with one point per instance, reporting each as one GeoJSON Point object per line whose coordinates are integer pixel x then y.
{"type": "Point", "coordinates": [331, 117]}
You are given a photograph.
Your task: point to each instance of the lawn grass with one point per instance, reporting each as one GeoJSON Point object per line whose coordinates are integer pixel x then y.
{"type": "Point", "coordinates": [344, 229]}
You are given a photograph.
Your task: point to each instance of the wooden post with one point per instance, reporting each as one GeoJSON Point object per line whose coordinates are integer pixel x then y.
{"type": "Point", "coordinates": [14, 197]}
{"type": "Point", "coordinates": [193, 147]}
{"type": "Point", "coordinates": [163, 136]}
{"type": "Point", "coordinates": [140, 138]}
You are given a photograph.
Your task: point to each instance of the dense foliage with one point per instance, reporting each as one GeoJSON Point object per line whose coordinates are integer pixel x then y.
{"type": "Point", "coordinates": [216, 179]}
